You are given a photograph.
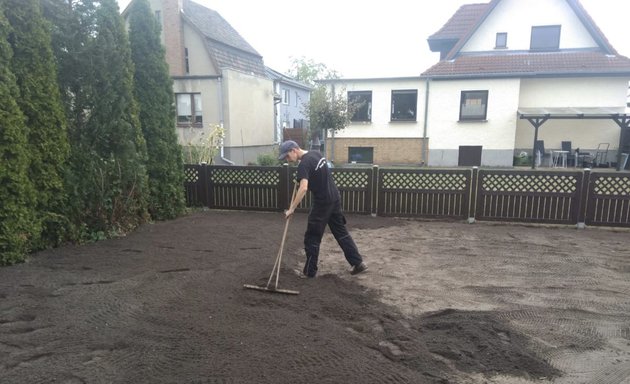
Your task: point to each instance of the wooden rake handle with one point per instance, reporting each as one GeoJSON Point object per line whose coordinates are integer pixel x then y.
{"type": "Point", "coordinates": [278, 262]}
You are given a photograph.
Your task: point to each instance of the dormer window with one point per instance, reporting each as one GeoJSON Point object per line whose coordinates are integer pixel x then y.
{"type": "Point", "coordinates": [545, 38]}
{"type": "Point", "coordinates": [501, 41]}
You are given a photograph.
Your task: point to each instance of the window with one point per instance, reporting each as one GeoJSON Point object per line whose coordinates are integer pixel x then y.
{"type": "Point", "coordinates": [474, 105]}
{"type": "Point", "coordinates": [186, 60]}
{"type": "Point", "coordinates": [361, 154]}
{"type": "Point", "coordinates": [296, 99]}
{"type": "Point", "coordinates": [545, 38]}
{"type": "Point", "coordinates": [361, 103]}
{"type": "Point", "coordinates": [501, 41]}
{"type": "Point", "coordinates": [285, 96]}
{"type": "Point", "coordinates": [404, 105]}
{"type": "Point", "coordinates": [189, 111]}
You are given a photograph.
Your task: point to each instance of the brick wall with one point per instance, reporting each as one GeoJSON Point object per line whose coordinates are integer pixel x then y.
{"type": "Point", "coordinates": [386, 151]}
{"type": "Point", "coordinates": [172, 28]}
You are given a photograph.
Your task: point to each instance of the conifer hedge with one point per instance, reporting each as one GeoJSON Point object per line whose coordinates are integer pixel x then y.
{"type": "Point", "coordinates": [17, 214]}
{"type": "Point", "coordinates": [88, 146]}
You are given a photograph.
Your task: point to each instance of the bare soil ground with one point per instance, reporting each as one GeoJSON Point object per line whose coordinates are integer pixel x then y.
{"type": "Point", "coordinates": [442, 302]}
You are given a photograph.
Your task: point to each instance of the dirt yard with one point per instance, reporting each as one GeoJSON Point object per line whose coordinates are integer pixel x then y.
{"type": "Point", "coordinates": [443, 302]}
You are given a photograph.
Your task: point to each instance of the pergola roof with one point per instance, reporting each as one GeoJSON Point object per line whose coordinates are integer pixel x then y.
{"type": "Point", "coordinates": [574, 113]}
{"type": "Point", "coordinates": [538, 116]}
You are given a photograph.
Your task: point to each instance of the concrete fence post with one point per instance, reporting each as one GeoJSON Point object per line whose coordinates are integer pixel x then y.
{"type": "Point", "coordinates": [583, 198]}
{"type": "Point", "coordinates": [472, 201]}
{"type": "Point", "coordinates": [374, 191]}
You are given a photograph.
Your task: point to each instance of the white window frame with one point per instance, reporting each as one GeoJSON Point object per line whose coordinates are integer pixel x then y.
{"type": "Point", "coordinates": [189, 109]}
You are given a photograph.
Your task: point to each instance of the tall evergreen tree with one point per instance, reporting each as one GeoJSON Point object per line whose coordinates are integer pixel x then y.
{"type": "Point", "coordinates": [16, 191]}
{"type": "Point", "coordinates": [107, 179]}
{"type": "Point", "coordinates": [34, 69]}
{"type": "Point", "coordinates": [153, 89]}
{"type": "Point", "coordinates": [112, 142]}
{"type": "Point", "coordinates": [74, 25]}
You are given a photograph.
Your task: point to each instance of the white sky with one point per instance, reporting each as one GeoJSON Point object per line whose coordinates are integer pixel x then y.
{"type": "Point", "coordinates": [368, 38]}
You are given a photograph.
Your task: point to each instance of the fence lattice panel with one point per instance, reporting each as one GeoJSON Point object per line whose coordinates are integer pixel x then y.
{"type": "Point", "coordinates": [355, 187]}
{"type": "Point", "coordinates": [193, 188]}
{"type": "Point", "coordinates": [609, 200]}
{"type": "Point", "coordinates": [526, 196]}
{"type": "Point", "coordinates": [252, 188]}
{"type": "Point", "coordinates": [429, 193]}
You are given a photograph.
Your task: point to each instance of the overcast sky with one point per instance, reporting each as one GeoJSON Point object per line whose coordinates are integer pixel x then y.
{"type": "Point", "coordinates": [368, 38]}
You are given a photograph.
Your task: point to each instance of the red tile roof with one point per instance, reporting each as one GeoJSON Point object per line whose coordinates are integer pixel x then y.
{"type": "Point", "coordinates": [461, 22]}
{"type": "Point", "coordinates": [531, 64]}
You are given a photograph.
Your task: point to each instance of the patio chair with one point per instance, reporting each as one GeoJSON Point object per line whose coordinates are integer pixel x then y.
{"type": "Point", "coordinates": [571, 157]}
{"type": "Point", "coordinates": [601, 156]}
{"type": "Point", "coordinates": [539, 153]}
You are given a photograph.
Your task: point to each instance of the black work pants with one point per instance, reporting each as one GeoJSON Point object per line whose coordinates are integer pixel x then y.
{"type": "Point", "coordinates": [320, 216]}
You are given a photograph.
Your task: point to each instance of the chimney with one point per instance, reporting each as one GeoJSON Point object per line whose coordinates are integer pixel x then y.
{"type": "Point", "coordinates": [173, 35]}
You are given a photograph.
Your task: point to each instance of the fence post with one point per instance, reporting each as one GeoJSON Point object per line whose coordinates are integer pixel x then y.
{"type": "Point", "coordinates": [374, 191]}
{"type": "Point", "coordinates": [202, 185]}
{"type": "Point", "coordinates": [283, 187]}
{"type": "Point", "coordinates": [583, 198]}
{"type": "Point", "coordinates": [472, 201]}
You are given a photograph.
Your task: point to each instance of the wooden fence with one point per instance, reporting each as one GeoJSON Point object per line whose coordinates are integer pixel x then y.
{"type": "Point", "coordinates": [577, 197]}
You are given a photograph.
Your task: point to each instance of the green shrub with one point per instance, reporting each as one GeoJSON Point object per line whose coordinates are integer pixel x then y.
{"type": "Point", "coordinates": [267, 159]}
{"type": "Point", "coordinates": [522, 159]}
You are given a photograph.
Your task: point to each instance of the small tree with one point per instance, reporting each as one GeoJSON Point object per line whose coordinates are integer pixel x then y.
{"type": "Point", "coordinates": [327, 110]}
{"type": "Point", "coordinates": [309, 71]}
{"type": "Point", "coordinates": [203, 148]}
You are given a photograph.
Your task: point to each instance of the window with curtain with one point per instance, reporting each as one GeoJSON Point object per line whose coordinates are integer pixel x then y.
{"type": "Point", "coordinates": [473, 105]}
{"type": "Point", "coordinates": [189, 110]}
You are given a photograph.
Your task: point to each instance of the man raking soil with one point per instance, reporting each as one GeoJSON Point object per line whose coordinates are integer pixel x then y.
{"type": "Point", "coordinates": [314, 175]}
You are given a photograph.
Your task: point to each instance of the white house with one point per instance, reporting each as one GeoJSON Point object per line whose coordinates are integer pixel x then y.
{"type": "Point", "coordinates": [503, 65]}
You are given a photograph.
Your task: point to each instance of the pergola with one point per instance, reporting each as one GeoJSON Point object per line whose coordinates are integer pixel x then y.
{"type": "Point", "coordinates": [538, 116]}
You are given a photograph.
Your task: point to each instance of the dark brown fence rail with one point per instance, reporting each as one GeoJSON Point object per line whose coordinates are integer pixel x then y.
{"type": "Point", "coordinates": [537, 196]}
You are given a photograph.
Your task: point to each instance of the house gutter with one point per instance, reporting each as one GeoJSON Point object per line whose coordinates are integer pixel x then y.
{"type": "Point", "coordinates": [221, 144]}
{"type": "Point", "coordinates": [425, 146]}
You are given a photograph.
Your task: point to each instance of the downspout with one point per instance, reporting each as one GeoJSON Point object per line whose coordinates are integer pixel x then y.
{"type": "Point", "coordinates": [425, 144]}
{"type": "Point", "coordinates": [222, 146]}
{"type": "Point", "coordinates": [332, 139]}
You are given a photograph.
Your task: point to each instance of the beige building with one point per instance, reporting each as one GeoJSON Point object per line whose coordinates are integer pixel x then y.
{"type": "Point", "coordinates": [219, 81]}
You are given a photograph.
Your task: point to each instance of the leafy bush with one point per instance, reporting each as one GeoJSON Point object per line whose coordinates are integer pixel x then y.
{"type": "Point", "coordinates": [522, 159]}
{"type": "Point", "coordinates": [267, 159]}
{"type": "Point", "coordinates": [203, 148]}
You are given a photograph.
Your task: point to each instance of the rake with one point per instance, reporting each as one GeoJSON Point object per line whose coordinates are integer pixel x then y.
{"type": "Point", "coordinates": [276, 266]}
